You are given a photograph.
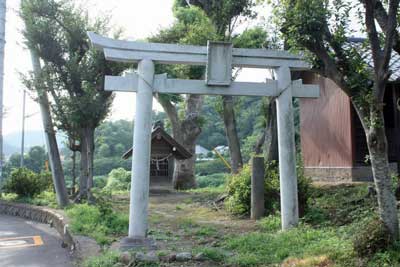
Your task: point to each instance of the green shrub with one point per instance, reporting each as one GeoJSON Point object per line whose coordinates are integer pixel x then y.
{"type": "Point", "coordinates": [119, 179]}
{"type": "Point", "coordinates": [212, 180]}
{"type": "Point", "coordinates": [239, 190]}
{"type": "Point", "coordinates": [100, 181]}
{"type": "Point", "coordinates": [26, 183]}
{"type": "Point", "coordinates": [99, 222]}
{"type": "Point", "coordinates": [372, 238]}
{"type": "Point", "coordinates": [204, 168]}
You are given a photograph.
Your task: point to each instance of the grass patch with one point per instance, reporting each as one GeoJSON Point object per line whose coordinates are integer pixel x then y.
{"type": "Point", "coordinates": [340, 205]}
{"type": "Point", "coordinates": [158, 234]}
{"type": "Point", "coordinates": [214, 254]}
{"type": "Point", "coordinates": [187, 223]}
{"type": "Point", "coordinates": [270, 224]}
{"type": "Point", "coordinates": [108, 259]}
{"type": "Point", "coordinates": [206, 231]}
{"type": "Point", "coordinates": [46, 198]}
{"type": "Point", "coordinates": [258, 248]}
{"type": "Point", "coordinates": [101, 225]}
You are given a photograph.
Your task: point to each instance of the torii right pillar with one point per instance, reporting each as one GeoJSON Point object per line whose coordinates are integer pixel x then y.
{"type": "Point", "coordinates": [287, 150]}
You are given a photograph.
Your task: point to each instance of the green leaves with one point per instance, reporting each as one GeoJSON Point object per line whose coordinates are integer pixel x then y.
{"type": "Point", "coordinates": [73, 73]}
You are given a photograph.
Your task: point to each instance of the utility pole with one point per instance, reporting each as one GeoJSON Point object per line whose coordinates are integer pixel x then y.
{"type": "Point", "coordinates": [2, 44]}
{"type": "Point", "coordinates": [23, 129]}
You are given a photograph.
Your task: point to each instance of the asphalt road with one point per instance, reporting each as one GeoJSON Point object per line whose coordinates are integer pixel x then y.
{"type": "Point", "coordinates": [28, 244]}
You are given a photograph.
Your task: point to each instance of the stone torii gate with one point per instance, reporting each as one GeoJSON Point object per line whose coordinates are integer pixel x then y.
{"type": "Point", "coordinates": [220, 58]}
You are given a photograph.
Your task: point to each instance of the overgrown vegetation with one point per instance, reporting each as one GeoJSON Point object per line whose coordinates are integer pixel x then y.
{"type": "Point", "coordinates": [100, 222]}
{"type": "Point", "coordinates": [45, 198]}
{"type": "Point", "coordinates": [212, 180]}
{"type": "Point", "coordinates": [204, 168]}
{"type": "Point", "coordinates": [105, 260]}
{"type": "Point", "coordinates": [239, 190]}
{"type": "Point", "coordinates": [26, 183]}
{"type": "Point", "coordinates": [257, 248]}
{"type": "Point", "coordinates": [118, 180]}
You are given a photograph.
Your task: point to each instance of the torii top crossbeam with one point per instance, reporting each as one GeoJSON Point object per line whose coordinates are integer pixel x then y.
{"type": "Point", "coordinates": [127, 51]}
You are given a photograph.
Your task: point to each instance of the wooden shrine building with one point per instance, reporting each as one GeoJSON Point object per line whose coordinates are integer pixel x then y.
{"type": "Point", "coordinates": [333, 142]}
{"type": "Point", "coordinates": [164, 151]}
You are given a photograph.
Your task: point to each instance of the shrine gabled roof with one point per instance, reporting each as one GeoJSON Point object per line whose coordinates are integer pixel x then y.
{"type": "Point", "coordinates": [365, 53]}
{"type": "Point", "coordinates": [179, 152]}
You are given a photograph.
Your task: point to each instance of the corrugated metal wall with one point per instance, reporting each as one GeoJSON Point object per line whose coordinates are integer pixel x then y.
{"type": "Point", "coordinates": [325, 126]}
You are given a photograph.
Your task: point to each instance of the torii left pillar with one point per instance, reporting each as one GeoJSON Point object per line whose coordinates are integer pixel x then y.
{"type": "Point", "coordinates": [138, 209]}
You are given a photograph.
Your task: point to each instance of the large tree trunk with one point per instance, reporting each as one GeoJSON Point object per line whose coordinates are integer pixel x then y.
{"type": "Point", "coordinates": [73, 191]}
{"type": "Point", "coordinates": [378, 153]}
{"type": "Point", "coordinates": [90, 160]}
{"type": "Point", "coordinates": [231, 133]}
{"type": "Point", "coordinates": [184, 173]}
{"type": "Point", "coordinates": [51, 141]}
{"type": "Point", "coordinates": [271, 142]}
{"type": "Point", "coordinates": [186, 132]}
{"type": "Point", "coordinates": [268, 141]}
{"type": "Point", "coordinates": [86, 164]}
{"type": "Point", "coordinates": [84, 175]}
{"type": "Point", "coordinates": [377, 145]}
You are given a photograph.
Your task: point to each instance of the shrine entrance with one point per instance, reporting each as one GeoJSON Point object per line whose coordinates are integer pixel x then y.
{"type": "Point", "coordinates": [219, 58]}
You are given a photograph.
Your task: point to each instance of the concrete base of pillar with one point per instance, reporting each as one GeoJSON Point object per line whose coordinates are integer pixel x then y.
{"type": "Point", "coordinates": [129, 243]}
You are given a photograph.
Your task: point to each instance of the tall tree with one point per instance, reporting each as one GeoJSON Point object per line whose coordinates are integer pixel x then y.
{"type": "Point", "coordinates": [48, 126]}
{"type": "Point", "coordinates": [191, 27]}
{"type": "Point", "coordinates": [2, 44]}
{"type": "Point", "coordinates": [73, 72]}
{"type": "Point", "coordinates": [225, 16]}
{"type": "Point", "coordinates": [321, 28]}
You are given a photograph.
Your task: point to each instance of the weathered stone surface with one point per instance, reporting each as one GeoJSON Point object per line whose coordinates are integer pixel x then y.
{"type": "Point", "coordinates": [183, 256]}
{"type": "Point", "coordinates": [169, 258]}
{"type": "Point", "coordinates": [149, 257]}
{"type": "Point", "coordinates": [125, 257]}
{"type": "Point", "coordinates": [88, 247]}
{"type": "Point", "coordinates": [200, 257]}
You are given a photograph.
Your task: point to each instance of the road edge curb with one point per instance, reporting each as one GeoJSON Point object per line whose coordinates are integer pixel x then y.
{"type": "Point", "coordinates": [43, 215]}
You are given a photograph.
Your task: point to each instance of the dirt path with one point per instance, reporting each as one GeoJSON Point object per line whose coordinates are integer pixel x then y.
{"type": "Point", "coordinates": [186, 221]}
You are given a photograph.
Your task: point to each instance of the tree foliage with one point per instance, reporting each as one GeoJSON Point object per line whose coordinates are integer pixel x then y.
{"type": "Point", "coordinates": [73, 72]}
{"type": "Point", "coordinates": [34, 160]}
{"type": "Point", "coordinates": [224, 14]}
{"type": "Point", "coordinates": [26, 183]}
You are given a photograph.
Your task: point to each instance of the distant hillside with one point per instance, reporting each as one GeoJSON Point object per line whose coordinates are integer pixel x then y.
{"type": "Point", "coordinates": [12, 142]}
{"type": "Point", "coordinates": [32, 138]}
{"type": "Point", "coordinates": [9, 150]}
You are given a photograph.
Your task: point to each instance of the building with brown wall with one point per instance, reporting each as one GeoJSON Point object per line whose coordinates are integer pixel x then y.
{"type": "Point", "coordinates": [332, 139]}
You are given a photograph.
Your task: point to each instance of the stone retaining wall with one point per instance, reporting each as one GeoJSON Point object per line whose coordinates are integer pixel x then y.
{"type": "Point", "coordinates": [41, 215]}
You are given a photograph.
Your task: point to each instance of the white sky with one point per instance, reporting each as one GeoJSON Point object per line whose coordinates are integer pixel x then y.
{"type": "Point", "coordinates": [138, 18]}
